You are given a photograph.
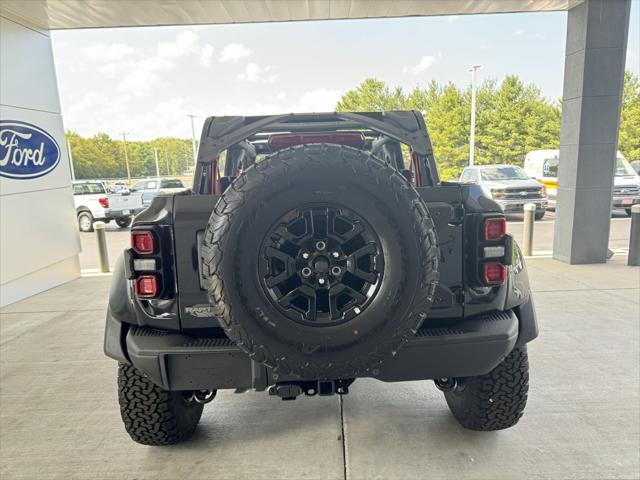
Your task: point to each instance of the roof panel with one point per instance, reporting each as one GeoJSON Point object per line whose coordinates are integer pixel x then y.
{"type": "Point", "coordinates": [67, 14]}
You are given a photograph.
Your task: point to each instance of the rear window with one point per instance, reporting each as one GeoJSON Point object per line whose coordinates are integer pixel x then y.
{"type": "Point", "coordinates": [171, 184]}
{"type": "Point", "coordinates": [550, 167]}
{"type": "Point", "coordinates": [88, 188]}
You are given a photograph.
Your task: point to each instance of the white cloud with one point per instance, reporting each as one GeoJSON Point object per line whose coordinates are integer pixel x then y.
{"type": "Point", "coordinates": [320, 100]}
{"type": "Point", "coordinates": [255, 73]}
{"type": "Point", "coordinates": [453, 18]}
{"type": "Point", "coordinates": [156, 63]}
{"type": "Point", "coordinates": [107, 52]}
{"type": "Point", "coordinates": [281, 95]}
{"type": "Point", "coordinates": [88, 101]}
{"type": "Point", "coordinates": [206, 55]}
{"type": "Point", "coordinates": [185, 43]}
{"type": "Point", "coordinates": [529, 36]}
{"type": "Point", "coordinates": [138, 82]}
{"type": "Point", "coordinates": [234, 52]}
{"type": "Point", "coordinates": [424, 63]}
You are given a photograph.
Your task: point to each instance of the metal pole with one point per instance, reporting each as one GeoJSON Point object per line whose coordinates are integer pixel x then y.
{"type": "Point", "coordinates": [193, 139]}
{"type": "Point", "coordinates": [155, 150]}
{"type": "Point", "coordinates": [73, 171]}
{"type": "Point", "coordinates": [103, 253]}
{"type": "Point", "coordinates": [126, 157]}
{"type": "Point", "coordinates": [634, 238]}
{"type": "Point", "coordinates": [527, 231]}
{"type": "Point", "coordinates": [472, 136]}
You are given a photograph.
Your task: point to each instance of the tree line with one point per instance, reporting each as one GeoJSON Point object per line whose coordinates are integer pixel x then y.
{"type": "Point", "coordinates": [512, 118]}
{"type": "Point", "coordinates": [101, 156]}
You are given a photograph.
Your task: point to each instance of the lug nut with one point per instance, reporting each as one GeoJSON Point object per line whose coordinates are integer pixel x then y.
{"type": "Point", "coordinates": [306, 272]}
{"type": "Point", "coordinates": [305, 255]}
{"type": "Point", "coordinates": [321, 245]}
{"type": "Point", "coordinates": [321, 281]}
{"type": "Point", "coordinates": [335, 254]}
{"type": "Point", "coordinates": [336, 270]}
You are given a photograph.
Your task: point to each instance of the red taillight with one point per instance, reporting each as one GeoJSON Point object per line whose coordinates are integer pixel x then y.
{"type": "Point", "coordinates": [494, 228]}
{"type": "Point", "coordinates": [494, 273]}
{"type": "Point", "coordinates": [289, 140]}
{"type": "Point", "coordinates": [142, 242]}
{"type": "Point", "coordinates": [146, 286]}
{"type": "Point", "coordinates": [104, 202]}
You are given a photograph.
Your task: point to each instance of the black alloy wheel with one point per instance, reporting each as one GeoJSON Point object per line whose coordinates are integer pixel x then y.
{"type": "Point", "coordinates": [323, 265]}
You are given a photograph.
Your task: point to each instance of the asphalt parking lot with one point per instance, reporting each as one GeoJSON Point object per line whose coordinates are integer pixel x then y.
{"type": "Point", "coordinates": [60, 418]}
{"type": "Point", "coordinates": [118, 239]}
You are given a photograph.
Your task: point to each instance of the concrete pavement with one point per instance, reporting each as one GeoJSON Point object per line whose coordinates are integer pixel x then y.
{"type": "Point", "coordinates": [59, 415]}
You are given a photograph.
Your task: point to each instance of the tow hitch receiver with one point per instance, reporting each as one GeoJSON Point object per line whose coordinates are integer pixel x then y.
{"type": "Point", "coordinates": [291, 390]}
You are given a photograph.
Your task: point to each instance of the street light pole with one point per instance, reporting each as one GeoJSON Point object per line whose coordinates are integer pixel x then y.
{"type": "Point", "coordinates": [126, 157]}
{"type": "Point", "coordinates": [472, 137]}
{"type": "Point", "coordinates": [193, 139]}
{"type": "Point", "coordinates": [73, 170]}
{"type": "Point", "coordinates": [155, 151]}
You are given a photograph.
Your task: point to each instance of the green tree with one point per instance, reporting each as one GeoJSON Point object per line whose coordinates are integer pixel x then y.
{"type": "Point", "coordinates": [372, 96]}
{"type": "Point", "coordinates": [100, 156]}
{"type": "Point", "coordinates": [629, 136]}
{"type": "Point", "coordinates": [512, 118]}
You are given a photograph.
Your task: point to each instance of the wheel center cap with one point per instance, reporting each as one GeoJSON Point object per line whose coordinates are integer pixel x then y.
{"type": "Point", "coordinates": [321, 265]}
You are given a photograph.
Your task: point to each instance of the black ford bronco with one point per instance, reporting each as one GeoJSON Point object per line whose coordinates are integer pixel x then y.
{"type": "Point", "coordinates": [312, 250]}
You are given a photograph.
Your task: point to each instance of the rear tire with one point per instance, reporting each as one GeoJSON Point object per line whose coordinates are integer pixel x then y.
{"type": "Point", "coordinates": [123, 222]}
{"type": "Point", "coordinates": [540, 215]}
{"type": "Point", "coordinates": [628, 210]}
{"type": "Point", "coordinates": [493, 401]}
{"type": "Point", "coordinates": [85, 222]}
{"type": "Point", "coordinates": [151, 415]}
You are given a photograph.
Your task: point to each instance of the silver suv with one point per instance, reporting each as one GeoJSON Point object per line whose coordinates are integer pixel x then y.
{"type": "Point", "coordinates": [509, 186]}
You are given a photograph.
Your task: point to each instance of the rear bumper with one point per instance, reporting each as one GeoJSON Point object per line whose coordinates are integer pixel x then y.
{"type": "Point", "coordinates": [625, 201]}
{"type": "Point", "coordinates": [123, 213]}
{"type": "Point", "coordinates": [518, 205]}
{"type": "Point", "coordinates": [176, 361]}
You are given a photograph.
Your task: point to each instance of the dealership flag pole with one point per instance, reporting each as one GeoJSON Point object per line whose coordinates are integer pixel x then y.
{"type": "Point", "coordinates": [126, 157]}
{"type": "Point", "coordinates": [155, 150]}
{"type": "Point", "coordinates": [193, 139]}
{"type": "Point", "coordinates": [73, 172]}
{"type": "Point", "coordinates": [472, 139]}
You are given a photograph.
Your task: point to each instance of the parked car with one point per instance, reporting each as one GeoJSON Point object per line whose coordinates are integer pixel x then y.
{"type": "Point", "coordinates": [93, 203]}
{"type": "Point", "coordinates": [543, 166]}
{"type": "Point", "coordinates": [152, 187]}
{"type": "Point", "coordinates": [509, 186]}
{"type": "Point", "coordinates": [317, 265]}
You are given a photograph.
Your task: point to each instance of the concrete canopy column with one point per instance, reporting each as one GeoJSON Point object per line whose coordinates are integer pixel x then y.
{"type": "Point", "coordinates": [593, 80]}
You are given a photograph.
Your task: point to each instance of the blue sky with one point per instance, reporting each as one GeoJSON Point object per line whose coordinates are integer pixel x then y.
{"type": "Point", "coordinates": [146, 80]}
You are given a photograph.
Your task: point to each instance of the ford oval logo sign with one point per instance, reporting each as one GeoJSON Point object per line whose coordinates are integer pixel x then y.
{"type": "Point", "coordinates": [26, 151]}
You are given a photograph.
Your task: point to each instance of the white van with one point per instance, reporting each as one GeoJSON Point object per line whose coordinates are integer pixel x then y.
{"type": "Point", "coordinates": [543, 166]}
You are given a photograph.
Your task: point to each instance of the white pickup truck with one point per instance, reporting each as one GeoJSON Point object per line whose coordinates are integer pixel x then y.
{"type": "Point", "coordinates": [93, 203]}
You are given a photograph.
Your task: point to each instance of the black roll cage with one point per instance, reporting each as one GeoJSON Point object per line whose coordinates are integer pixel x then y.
{"type": "Point", "coordinates": [405, 126]}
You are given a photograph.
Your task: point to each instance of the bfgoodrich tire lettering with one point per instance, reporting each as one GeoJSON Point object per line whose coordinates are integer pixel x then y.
{"type": "Point", "coordinates": [151, 415]}
{"type": "Point", "coordinates": [337, 177]}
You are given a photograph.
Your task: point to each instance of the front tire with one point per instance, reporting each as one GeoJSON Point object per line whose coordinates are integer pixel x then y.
{"type": "Point", "coordinates": [85, 222]}
{"type": "Point", "coordinates": [151, 415]}
{"type": "Point", "coordinates": [540, 215]}
{"type": "Point", "coordinates": [493, 401]}
{"type": "Point", "coordinates": [628, 211]}
{"type": "Point", "coordinates": [123, 222]}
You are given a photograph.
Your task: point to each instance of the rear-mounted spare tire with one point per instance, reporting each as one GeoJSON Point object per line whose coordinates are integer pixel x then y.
{"type": "Point", "coordinates": [320, 261]}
